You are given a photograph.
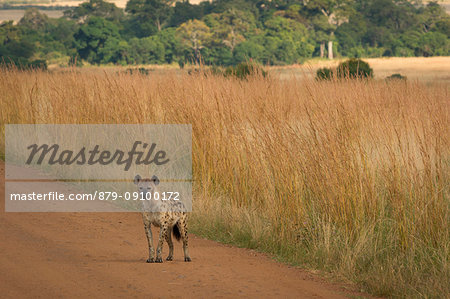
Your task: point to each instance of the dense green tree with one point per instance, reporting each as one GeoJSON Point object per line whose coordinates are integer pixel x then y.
{"type": "Point", "coordinates": [248, 50]}
{"type": "Point", "coordinates": [431, 15]}
{"type": "Point", "coordinates": [336, 12]}
{"type": "Point", "coordinates": [389, 15]}
{"type": "Point", "coordinates": [443, 26]}
{"type": "Point", "coordinates": [350, 36]}
{"type": "Point", "coordinates": [286, 41]}
{"type": "Point", "coordinates": [157, 12]}
{"type": "Point", "coordinates": [393, 26]}
{"type": "Point", "coordinates": [219, 6]}
{"type": "Point", "coordinates": [228, 32]}
{"type": "Point", "coordinates": [97, 8]}
{"type": "Point", "coordinates": [324, 31]}
{"type": "Point", "coordinates": [195, 35]}
{"type": "Point", "coordinates": [62, 30]}
{"type": "Point", "coordinates": [184, 11]}
{"type": "Point", "coordinates": [98, 41]}
{"type": "Point", "coordinates": [217, 56]}
{"type": "Point", "coordinates": [34, 20]}
{"type": "Point", "coordinates": [433, 43]}
{"type": "Point", "coordinates": [16, 51]}
{"type": "Point", "coordinates": [172, 44]}
{"type": "Point", "coordinates": [230, 27]}
{"type": "Point", "coordinates": [147, 50]}
{"type": "Point", "coordinates": [9, 32]}
{"type": "Point", "coordinates": [14, 47]}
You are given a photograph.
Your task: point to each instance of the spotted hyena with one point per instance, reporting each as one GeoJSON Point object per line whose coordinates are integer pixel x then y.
{"type": "Point", "coordinates": [173, 218]}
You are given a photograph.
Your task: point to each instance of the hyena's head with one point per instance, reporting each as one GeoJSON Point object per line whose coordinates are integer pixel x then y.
{"type": "Point", "coordinates": [146, 185]}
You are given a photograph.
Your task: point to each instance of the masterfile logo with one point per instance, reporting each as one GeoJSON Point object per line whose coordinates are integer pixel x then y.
{"type": "Point", "coordinates": [53, 155]}
{"type": "Point", "coordinates": [92, 167]}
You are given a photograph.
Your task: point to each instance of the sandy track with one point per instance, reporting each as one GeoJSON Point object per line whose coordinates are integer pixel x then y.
{"type": "Point", "coordinates": [103, 254]}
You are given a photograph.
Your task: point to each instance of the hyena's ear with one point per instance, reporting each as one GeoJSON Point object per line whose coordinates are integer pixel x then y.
{"type": "Point", "coordinates": [137, 179]}
{"type": "Point", "coordinates": [155, 180]}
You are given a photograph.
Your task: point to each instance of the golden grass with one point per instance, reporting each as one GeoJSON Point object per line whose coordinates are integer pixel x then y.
{"type": "Point", "coordinates": [351, 177]}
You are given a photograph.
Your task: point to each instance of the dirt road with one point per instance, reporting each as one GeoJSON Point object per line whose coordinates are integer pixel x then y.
{"type": "Point", "coordinates": [103, 254]}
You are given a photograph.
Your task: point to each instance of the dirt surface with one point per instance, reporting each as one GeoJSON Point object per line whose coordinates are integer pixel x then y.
{"type": "Point", "coordinates": [103, 254]}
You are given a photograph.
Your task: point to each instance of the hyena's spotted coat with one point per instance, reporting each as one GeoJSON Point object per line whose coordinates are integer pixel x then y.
{"type": "Point", "coordinates": [172, 219]}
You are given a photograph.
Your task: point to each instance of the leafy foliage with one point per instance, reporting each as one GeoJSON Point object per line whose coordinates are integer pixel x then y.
{"type": "Point", "coordinates": [98, 41]}
{"type": "Point", "coordinates": [244, 70]}
{"type": "Point", "coordinates": [324, 74]}
{"type": "Point", "coordinates": [97, 8]}
{"type": "Point", "coordinates": [351, 68]}
{"type": "Point", "coordinates": [395, 77]}
{"type": "Point", "coordinates": [354, 68]}
{"type": "Point", "coordinates": [228, 32]}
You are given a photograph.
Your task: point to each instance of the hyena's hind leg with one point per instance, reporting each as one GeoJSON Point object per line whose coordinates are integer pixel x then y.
{"type": "Point", "coordinates": [170, 243]}
{"type": "Point", "coordinates": [182, 227]}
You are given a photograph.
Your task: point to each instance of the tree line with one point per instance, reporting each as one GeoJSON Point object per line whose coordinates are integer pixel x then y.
{"type": "Point", "coordinates": [227, 32]}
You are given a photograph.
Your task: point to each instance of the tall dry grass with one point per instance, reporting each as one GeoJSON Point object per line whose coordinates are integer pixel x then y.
{"type": "Point", "coordinates": [351, 177]}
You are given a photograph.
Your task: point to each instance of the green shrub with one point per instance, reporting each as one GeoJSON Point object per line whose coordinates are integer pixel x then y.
{"type": "Point", "coordinates": [396, 77]}
{"type": "Point", "coordinates": [243, 70]}
{"type": "Point", "coordinates": [354, 68]}
{"type": "Point", "coordinates": [324, 73]}
{"type": "Point", "coordinates": [351, 68]}
{"type": "Point", "coordinates": [24, 64]}
{"type": "Point", "coordinates": [181, 63]}
{"type": "Point", "coordinates": [141, 70]}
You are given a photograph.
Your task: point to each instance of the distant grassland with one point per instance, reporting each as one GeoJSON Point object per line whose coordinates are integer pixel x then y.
{"type": "Point", "coordinates": [430, 69]}
{"type": "Point", "coordinates": [426, 70]}
{"type": "Point", "coordinates": [350, 177]}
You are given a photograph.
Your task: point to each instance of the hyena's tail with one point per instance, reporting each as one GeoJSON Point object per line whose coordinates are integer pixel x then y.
{"type": "Point", "coordinates": [176, 232]}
